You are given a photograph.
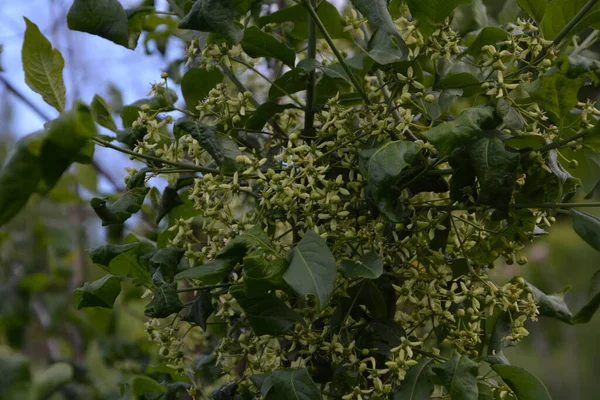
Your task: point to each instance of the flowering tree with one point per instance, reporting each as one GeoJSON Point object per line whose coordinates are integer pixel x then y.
{"type": "Point", "coordinates": [338, 189]}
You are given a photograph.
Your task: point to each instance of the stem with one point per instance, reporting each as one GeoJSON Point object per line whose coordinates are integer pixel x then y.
{"type": "Point", "coordinates": [576, 19]}
{"type": "Point", "coordinates": [589, 40]}
{"type": "Point", "coordinates": [193, 289]}
{"type": "Point", "coordinates": [555, 205]}
{"type": "Point", "coordinates": [309, 113]}
{"type": "Point", "coordinates": [563, 142]}
{"type": "Point", "coordinates": [188, 167]}
{"type": "Point", "coordinates": [335, 50]}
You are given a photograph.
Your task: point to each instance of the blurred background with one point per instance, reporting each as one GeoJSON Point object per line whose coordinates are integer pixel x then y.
{"type": "Point", "coordinates": [42, 251]}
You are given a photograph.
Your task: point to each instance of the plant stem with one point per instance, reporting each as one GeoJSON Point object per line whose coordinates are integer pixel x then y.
{"type": "Point", "coordinates": [576, 19]}
{"type": "Point", "coordinates": [188, 167]}
{"type": "Point", "coordinates": [563, 142]}
{"type": "Point", "coordinates": [357, 85]}
{"type": "Point", "coordinates": [309, 113]}
{"type": "Point", "coordinates": [193, 289]}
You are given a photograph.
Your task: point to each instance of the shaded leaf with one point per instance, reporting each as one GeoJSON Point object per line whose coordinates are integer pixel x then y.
{"type": "Point", "coordinates": [257, 43]}
{"type": "Point", "coordinates": [587, 227]}
{"type": "Point", "coordinates": [144, 385]}
{"type": "Point", "coordinates": [535, 8]}
{"type": "Point", "coordinates": [459, 376]}
{"type": "Point", "coordinates": [587, 312]}
{"type": "Point", "coordinates": [261, 275]}
{"type": "Point", "coordinates": [102, 113]}
{"type": "Point", "coordinates": [168, 201]}
{"type": "Point", "coordinates": [213, 16]}
{"type": "Point", "coordinates": [287, 384]}
{"type": "Point", "coordinates": [312, 269]}
{"type": "Point", "coordinates": [498, 342]}
{"type": "Point", "coordinates": [167, 261]}
{"type": "Point", "coordinates": [103, 255]}
{"type": "Point", "coordinates": [165, 301]}
{"type": "Point", "coordinates": [560, 12]}
{"type": "Point", "coordinates": [50, 380]}
{"type": "Point", "coordinates": [43, 67]}
{"type": "Point", "coordinates": [385, 48]}
{"type": "Point", "coordinates": [289, 83]}
{"type": "Point", "coordinates": [200, 310]}
{"type": "Point", "coordinates": [209, 274]}
{"type": "Point", "coordinates": [557, 94]}
{"type": "Point", "coordinates": [469, 83]}
{"type": "Point", "coordinates": [369, 266]}
{"type": "Point", "coordinates": [487, 36]}
{"type": "Point", "coordinates": [100, 293]}
{"type": "Point", "coordinates": [268, 315]}
{"type": "Point", "coordinates": [429, 13]}
{"type": "Point", "coordinates": [122, 209]}
{"type": "Point", "coordinates": [264, 113]}
{"type": "Point", "coordinates": [197, 83]}
{"type": "Point", "coordinates": [104, 18]}
{"type": "Point", "coordinates": [378, 15]}
{"type": "Point", "coordinates": [416, 385]}
{"type": "Point", "coordinates": [525, 385]}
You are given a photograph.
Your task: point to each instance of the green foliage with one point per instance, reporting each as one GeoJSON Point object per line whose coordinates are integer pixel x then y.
{"type": "Point", "coordinates": [459, 375]}
{"type": "Point", "coordinates": [524, 384]}
{"type": "Point", "coordinates": [101, 293]}
{"type": "Point", "coordinates": [287, 384]}
{"type": "Point", "coordinates": [213, 16]}
{"type": "Point", "coordinates": [197, 83]}
{"type": "Point", "coordinates": [104, 18]}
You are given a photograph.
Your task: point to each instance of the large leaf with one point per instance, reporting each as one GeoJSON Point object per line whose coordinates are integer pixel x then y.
{"type": "Point", "coordinates": [103, 255]}
{"type": "Point", "coordinates": [378, 15]}
{"type": "Point", "coordinates": [15, 374]}
{"type": "Point", "coordinates": [496, 170]}
{"type": "Point", "coordinates": [587, 227]}
{"type": "Point", "coordinates": [459, 376]}
{"type": "Point", "coordinates": [488, 35]}
{"type": "Point", "coordinates": [312, 269]}
{"type": "Point", "coordinates": [197, 83]}
{"type": "Point", "coordinates": [369, 266]}
{"type": "Point", "coordinates": [167, 262]}
{"type": "Point", "coordinates": [535, 8]}
{"type": "Point", "coordinates": [465, 81]}
{"type": "Point", "coordinates": [449, 135]}
{"type": "Point", "coordinates": [287, 384]}
{"type": "Point", "coordinates": [416, 385]}
{"type": "Point", "coordinates": [104, 18]}
{"type": "Point", "coordinates": [557, 94]}
{"type": "Point", "coordinates": [200, 310]}
{"type": "Point", "coordinates": [291, 82]}
{"type": "Point", "coordinates": [50, 380]}
{"type": "Point", "coordinates": [165, 302]}
{"type": "Point", "coordinates": [552, 306]}
{"type": "Point", "coordinates": [268, 315]}
{"type": "Point", "coordinates": [587, 311]}
{"type": "Point", "coordinates": [102, 113]}
{"type": "Point", "coordinates": [142, 386]}
{"type": "Point", "coordinates": [213, 16]}
{"type": "Point", "coordinates": [221, 147]}
{"type": "Point", "coordinates": [120, 210]}
{"type": "Point", "coordinates": [525, 385]}
{"type": "Point", "coordinates": [264, 113]}
{"type": "Point", "coordinates": [386, 48]}
{"type": "Point", "coordinates": [498, 342]}
{"type": "Point", "coordinates": [261, 275]}
{"type": "Point", "coordinates": [257, 43]}
{"type": "Point", "coordinates": [429, 13]}
{"type": "Point", "coordinates": [209, 274]}
{"type": "Point", "coordinates": [43, 67]}
{"type": "Point", "coordinates": [560, 12]}
{"type": "Point", "coordinates": [100, 293]}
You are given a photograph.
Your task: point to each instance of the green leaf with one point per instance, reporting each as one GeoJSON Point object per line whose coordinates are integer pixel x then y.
{"type": "Point", "coordinates": [264, 113]}
{"type": "Point", "coordinates": [50, 380]}
{"type": "Point", "coordinates": [429, 13]}
{"type": "Point", "coordinates": [416, 385]}
{"type": "Point", "coordinates": [209, 274]}
{"type": "Point", "coordinates": [587, 227]}
{"type": "Point", "coordinates": [168, 201]}
{"type": "Point", "coordinates": [588, 169]}
{"type": "Point", "coordinates": [535, 8]}
{"type": "Point", "coordinates": [369, 266]}
{"type": "Point", "coordinates": [268, 315]}
{"type": "Point", "coordinates": [385, 168]}
{"type": "Point", "coordinates": [43, 67]}
{"type": "Point", "coordinates": [127, 264]}
{"type": "Point", "coordinates": [165, 301]}
{"type": "Point", "coordinates": [291, 82]}
{"type": "Point", "coordinates": [488, 35]}
{"type": "Point", "coordinates": [560, 12]}
{"type": "Point", "coordinates": [511, 118]}
{"type": "Point", "coordinates": [100, 293]}
{"type": "Point", "coordinates": [297, 14]}
{"type": "Point", "coordinates": [221, 147]}
{"type": "Point", "coordinates": [200, 310]}
{"type": "Point", "coordinates": [15, 374]}
{"type": "Point", "coordinates": [143, 385]}
{"type": "Point", "coordinates": [557, 95]}
{"type": "Point", "coordinates": [103, 255]}
{"type": "Point", "coordinates": [237, 247]}
{"type": "Point", "coordinates": [587, 312]}
{"type": "Point", "coordinates": [257, 43]}
{"type": "Point", "coordinates": [378, 15]}
{"type": "Point", "coordinates": [167, 261]}
{"type": "Point", "coordinates": [567, 185]}
{"type": "Point", "coordinates": [496, 170]}
{"type": "Point", "coordinates": [552, 306]}
{"type": "Point", "coordinates": [385, 48]}
{"type": "Point", "coordinates": [469, 84]}
{"type": "Point", "coordinates": [122, 209]}
{"type": "Point", "coordinates": [197, 83]}
{"type": "Point", "coordinates": [287, 384]}
{"type": "Point", "coordinates": [102, 114]}
{"type": "Point", "coordinates": [213, 16]}
{"type": "Point", "coordinates": [525, 385]}
{"type": "Point", "coordinates": [136, 18]}
{"type": "Point", "coordinates": [312, 269]}
{"type": "Point", "coordinates": [261, 275]}
{"type": "Point", "coordinates": [498, 342]}
{"type": "Point", "coordinates": [459, 376]}
{"type": "Point", "coordinates": [104, 18]}
{"type": "Point", "coordinates": [449, 135]}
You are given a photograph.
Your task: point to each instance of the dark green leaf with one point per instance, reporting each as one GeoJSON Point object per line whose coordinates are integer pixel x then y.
{"type": "Point", "coordinates": [200, 310]}
{"type": "Point", "coordinates": [567, 185]}
{"type": "Point", "coordinates": [488, 35]}
{"type": "Point", "coordinates": [168, 201]}
{"type": "Point", "coordinates": [221, 147]}
{"type": "Point", "coordinates": [459, 376]}
{"type": "Point", "coordinates": [287, 384]}
{"type": "Point", "coordinates": [587, 312]}
{"type": "Point", "coordinates": [297, 14]}
{"type": "Point", "coordinates": [127, 263]}
{"type": "Point", "coordinates": [167, 261]}
{"type": "Point", "coordinates": [165, 302]}
{"type": "Point", "coordinates": [587, 227]}
{"type": "Point", "coordinates": [385, 48]}
{"type": "Point", "coordinates": [532, 141]}
{"type": "Point", "coordinates": [416, 385]}
{"type": "Point", "coordinates": [104, 18]}
{"type": "Point", "coordinates": [43, 67]}
{"type": "Point", "coordinates": [264, 113]}
{"type": "Point", "coordinates": [312, 269]}
{"type": "Point", "coordinates": [369, 266]}
{"type": "Point", "coordinates": [237, 247]}
{"type": "Point", "coordinates": [197, 83]}
{"type": "Point", "coordinates": [226, 391]}
{"type": "Point", "coordinates": [449, 135]}
{"type": "Point", "coordinates": [50, 380]}
{"type": "Point", "coordinates": [429, 13]}
{"type": "Point", "coordinates": [15, 374]}
{"type": "Point", "coordinates": [378, 15]}
{"type": "Point", "coordinates": [463, 179]}
{"type": "Point", "coordinates": [257, 43]}
{"type": "Point", "coordinates": [552, 306]}
{"type": "Point", "coordinates": [371, 297]}
{"type": "Point", "coordinates": [560, 12]}
{"type": "Point", "coordinates": [100, 293]}
{"type": "Point", "coordinates": [588, 169]}
{"type": "Point", "coordinates": [122, 209]}
{"type": "Point", "coordinates": [213, 16]}
{"type": "Point", "coordinates": [261, 275]}
{"type": "Point", "coordinates": [289, 83]}
{"type": "Point", "coordinates": [525, 385]}
{"type": "Point", "coordinates": [498, 341]}
{"type": "Point", "coordinates": [535, 8]}
{"type": "Point", "coordinates": [209, 274]}
{"type": "Point", "coordinates": [136, 18]}
{"type": "Point", "coordinates": [557, 94]}
{"type": "Point", "coordinates": [143, 385]}
{"type": "Point", "coordinates": [496, 170]}
{"type": "Point", "coordinates": [103, 255]}
{"type": "Point", "coordinates": [469, 84]}
{"type": "Point", "coordinates": [510, 117]}
{"type": "Point", "coordinates": [102, 114]}
{"type": "Point", "coordinates": [268, 315]}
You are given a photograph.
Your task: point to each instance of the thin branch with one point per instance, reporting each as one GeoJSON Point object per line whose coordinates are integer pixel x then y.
{"type": "Point", "coordinates": [194, 289]}
{"type": "Point", "coordinates": [309, 113]}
